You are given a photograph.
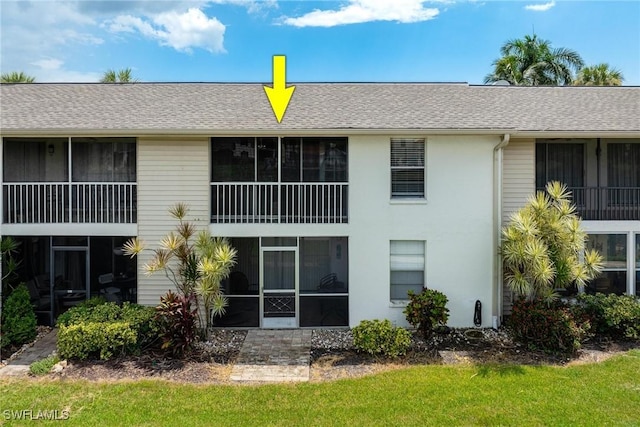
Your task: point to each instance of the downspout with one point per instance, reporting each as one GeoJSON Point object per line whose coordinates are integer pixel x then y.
{"type": "Point", "coordinates": [497, 227]}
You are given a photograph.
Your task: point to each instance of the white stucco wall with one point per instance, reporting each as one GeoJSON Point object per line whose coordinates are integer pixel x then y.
{"type": "Point", "coordinates": [455, 220]}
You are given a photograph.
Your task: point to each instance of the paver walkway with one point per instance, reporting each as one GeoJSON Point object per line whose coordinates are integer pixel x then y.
{"type": "Point", "coordinates": [40, 350]}
{"type": "Point", "coordinates": [274, 355]}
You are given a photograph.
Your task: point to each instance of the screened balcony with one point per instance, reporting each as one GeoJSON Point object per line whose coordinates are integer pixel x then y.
{"type": "Point", "coordinates": [53, 202]}
{"type": "Point", "coordinates": [598, 204]}
{"type": "Point", "coordinates": [69, 180]}
{"type": "Point", "coordinates": [603, 175]}
{"type": "Point", "coordinates": [306, 203]}
{"type": "Point", "coordinates": [279, 180]}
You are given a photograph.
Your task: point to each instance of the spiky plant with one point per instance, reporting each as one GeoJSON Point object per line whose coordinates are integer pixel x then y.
{"type": "Point", "coordinates": [16, 77]}
{"type": "Point", "coordinates": [544, 247]}
{"type": "Point", "coordinates": [120, 76]}
{"type": "Point", "coordinates": [195, 262]}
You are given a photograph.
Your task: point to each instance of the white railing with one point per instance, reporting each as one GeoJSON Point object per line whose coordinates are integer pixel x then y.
{"type": "Point", "coordinates": [55, 202]}
{"type": "Point", "coordinates": [290, 203]}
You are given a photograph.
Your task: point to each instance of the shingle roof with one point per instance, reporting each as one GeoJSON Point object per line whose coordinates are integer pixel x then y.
{"type": "Point", "coordinates": [219, 107]}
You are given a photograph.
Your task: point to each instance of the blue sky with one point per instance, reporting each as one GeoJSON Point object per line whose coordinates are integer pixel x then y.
{"type": "Point", "coordinates": [348, 40]}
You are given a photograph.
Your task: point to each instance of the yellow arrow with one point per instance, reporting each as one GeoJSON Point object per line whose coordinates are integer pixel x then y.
{"type": "Point", "coordinates": [279, 95]}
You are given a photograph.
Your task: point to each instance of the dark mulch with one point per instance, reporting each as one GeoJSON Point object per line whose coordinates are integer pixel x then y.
{"type": "Point", "coordinates": [336, 358]}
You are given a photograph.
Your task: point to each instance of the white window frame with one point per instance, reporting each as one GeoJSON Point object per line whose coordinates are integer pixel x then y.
{"type": "Point", "coordinates": [402, 162]}
{"type": "Point", "coordinates": [629, 261]}
{"type": "Point", "coordinates": [402, 261]}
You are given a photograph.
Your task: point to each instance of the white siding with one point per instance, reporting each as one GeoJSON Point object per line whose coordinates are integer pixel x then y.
{"type": "Point", "coordinates": [518, 175]}
{"type": "Point", "coordinates": [170, 170]}
{"type": "Point", "coordinates": [518, 183]}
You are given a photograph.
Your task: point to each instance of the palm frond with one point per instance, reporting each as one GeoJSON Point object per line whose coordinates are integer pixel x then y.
{"type": "Point", "coordinates": [133, 247]}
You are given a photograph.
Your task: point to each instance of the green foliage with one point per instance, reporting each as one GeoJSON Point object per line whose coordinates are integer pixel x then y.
{"type": "Point", "coordinates": [427, 310]}
{"type": "Point", "coordinates": [16, 77]}
{"type": "Point", "coordinates": [84, 317]}
{"type": "Point", "coordinates": [18, 318]}
{"type": "Point", "coordinates": [599, 75]}
{"type": "Point", "coordinates": [43, 367]}
{"type": "Point", "coordinates": [123, 75]}
{"type": "Point", "coordinates": [196, 263]}
{"type": "Point", "coordinates": [85, 339]}
{"type": "Point", "coordinates": [531, 61]}
{"type": "Point", "coordinates": [381, 337]}
{"type": "Point", "coordinates": [177, 322]}
{"type": "Point", "coordinates": [615, 316]}
{"type": "Point", "coordinates": [543, 247]}
{"type": "Point", "coordinates": [550, 328]}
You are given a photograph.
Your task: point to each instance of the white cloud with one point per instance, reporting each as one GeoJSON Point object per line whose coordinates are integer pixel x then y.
{"type": "Point", "coordinates": [540, 7]}
{"type": "Point", "coordinates": [52, 70]}
{"type": "Point", "coordinates": [360, 11]}
{"type": "Point", "coordinates": [181, 31]}
{"type": "Point", "coordinates": [252, 6]}
{"type": "Point", "coordinates": [32, 33]}
{"type": "Point", "coordinates": [48, 64]}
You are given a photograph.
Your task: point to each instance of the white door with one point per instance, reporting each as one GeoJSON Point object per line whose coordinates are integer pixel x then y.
{"type": "Point", "coordinates": [279, 284]}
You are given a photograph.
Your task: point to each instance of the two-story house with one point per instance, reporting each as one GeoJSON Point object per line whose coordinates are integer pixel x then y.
{"type": "Point", "coordinates": [363, 192]}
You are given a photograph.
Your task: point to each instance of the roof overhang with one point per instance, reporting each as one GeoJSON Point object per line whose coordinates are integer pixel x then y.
{"type": "Point", "coordinates": [314, 132]}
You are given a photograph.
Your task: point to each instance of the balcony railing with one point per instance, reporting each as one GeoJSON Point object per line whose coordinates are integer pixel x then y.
{"type": "Point", "coordinates": [291, 203]}
{"type": "Point", "coordinates": [607, 203]}
{"type": "Point", "coordinates": [54, 202]}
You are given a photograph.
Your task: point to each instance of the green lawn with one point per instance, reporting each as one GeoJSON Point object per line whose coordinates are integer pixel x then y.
{"type": "Point", "coordinates": [598, 394]}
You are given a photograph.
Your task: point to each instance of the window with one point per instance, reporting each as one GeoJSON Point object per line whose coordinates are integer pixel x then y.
{"type": "Point", "coordinates": [407, 267]}
{"type": "Point", "coordinates": [103, 159]}
{"type": "Point", "coordinates": [562, 162]}
{"type": "Point", "coordinates": [244, 159]}
{"type": "Point", "coordinates": [407, 168]}
{"type": "Point", "coordinates": [613, 248]}
{"type": "Point", "coordinates": [249, 159]}
{"type": "Point", "coordinates": [622, 165]}
{"type": "Point", "coordinates": [314, 159]}
{"type": "Point", "coordinates": [35, 160]}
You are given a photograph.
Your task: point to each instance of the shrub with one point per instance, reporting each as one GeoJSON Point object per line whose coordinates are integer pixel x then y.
{"type": "Point", "coordinates": [18, 318]}
{"type": "Point", "coordinates": [544, 247]}
{"type": "Point", "coordinates": [92, 310]}
{"type": "Point", "coordinates": [550, 328]}
{"type": "Point", "coordinates": [138, 319]}
{"type": "Point", "coordinates": [381, 337]}
{"type": "Point", "coordinates": [615, 316]}
{"type": "Point", "coordinates": [43, 367]}
{"type": "Point", "coordinates": [427, 310]}
{"type": "Point", "coordinates": [177, 322]}
{"type": "Point", "coordinates": [81, 340]}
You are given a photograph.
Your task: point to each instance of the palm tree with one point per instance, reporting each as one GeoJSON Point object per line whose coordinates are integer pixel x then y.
{"type": "Point", "coordinates": [533, 62]}
{"type": "Point", "coordinates": [121, 76]}
{"type": "Point", "coordinates": [16, 77]}
{"type": "Point", "coordinates": [599, 75]}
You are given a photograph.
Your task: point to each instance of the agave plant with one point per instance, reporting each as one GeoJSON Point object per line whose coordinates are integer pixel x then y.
{"type": "Point", "coordinates": [544, 247]}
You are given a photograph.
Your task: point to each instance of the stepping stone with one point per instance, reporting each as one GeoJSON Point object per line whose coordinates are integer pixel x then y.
{"type": "Point", "coordinates": [40, 350]}
{"type": "Point", "coordinates": [274, 355]}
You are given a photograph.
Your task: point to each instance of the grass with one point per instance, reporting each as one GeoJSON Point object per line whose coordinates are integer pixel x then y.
{"type": "Point", "coordinates": [43, 367]}
{"type": "Point", "coordinates": [607, 393]}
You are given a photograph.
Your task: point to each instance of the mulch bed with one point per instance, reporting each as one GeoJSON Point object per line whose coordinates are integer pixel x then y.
{"type": "Point", "coordinates": [212, 364]}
